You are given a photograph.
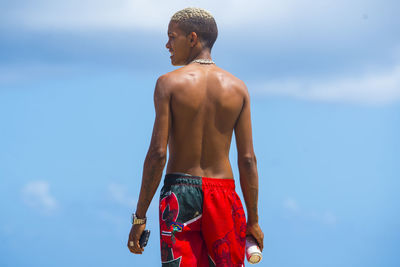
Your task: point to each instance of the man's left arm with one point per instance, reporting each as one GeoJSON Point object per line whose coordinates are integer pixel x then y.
{"type": "Point", "coordinates": [155, 160]}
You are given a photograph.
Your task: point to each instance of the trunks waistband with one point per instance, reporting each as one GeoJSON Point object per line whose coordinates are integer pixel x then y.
{"type": "Point", "coordinates": [191, 180]}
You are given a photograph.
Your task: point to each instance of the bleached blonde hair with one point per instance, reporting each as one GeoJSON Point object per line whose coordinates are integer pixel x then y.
{"type": "Point", "coordinates": [198, 20]}
{"type": "Point", "coordinates": [191, 12]}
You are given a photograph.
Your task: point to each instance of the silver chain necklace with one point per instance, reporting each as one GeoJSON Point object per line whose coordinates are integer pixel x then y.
{"type": "Point", "coordinates": [203, 61]}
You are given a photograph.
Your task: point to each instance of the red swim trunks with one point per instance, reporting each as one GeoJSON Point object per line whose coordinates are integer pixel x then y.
{"type": "Point", "coordinates": [202, 222]}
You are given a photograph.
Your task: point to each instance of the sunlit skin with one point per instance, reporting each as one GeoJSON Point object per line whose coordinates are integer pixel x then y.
{"type": "Point", "coordinates": [198, 107]}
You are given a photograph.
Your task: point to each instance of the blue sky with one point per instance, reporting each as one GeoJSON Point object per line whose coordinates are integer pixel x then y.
{"type": "Point", "coordinates": [76, 115]}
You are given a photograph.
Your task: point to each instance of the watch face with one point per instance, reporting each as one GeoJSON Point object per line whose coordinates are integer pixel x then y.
{"type": "Point", "coordinates": [136, 220]}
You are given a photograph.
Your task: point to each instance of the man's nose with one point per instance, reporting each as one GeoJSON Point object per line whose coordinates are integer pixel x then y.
{"type": "Point", "coordinates": [167, 45]}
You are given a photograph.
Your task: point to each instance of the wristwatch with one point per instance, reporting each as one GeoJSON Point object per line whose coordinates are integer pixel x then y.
{"type": "Point", "coordinates": [136, 220]}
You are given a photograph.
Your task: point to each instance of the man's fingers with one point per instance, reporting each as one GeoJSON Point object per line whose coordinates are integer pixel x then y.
{"type": "Point", "coordinates": [131, 246]}
{"type": "Point", "coordinates": [134, 247]}
{"type": "Point", "coordinates": [138, 248]}
{"type": "Point", "coordinates": [261, 244]}
{"type": "Point", "coordinates": [260, 240]}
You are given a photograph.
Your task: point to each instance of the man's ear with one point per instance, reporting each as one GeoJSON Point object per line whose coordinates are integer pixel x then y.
{"type": "Point", "coordinates": [193, 39]}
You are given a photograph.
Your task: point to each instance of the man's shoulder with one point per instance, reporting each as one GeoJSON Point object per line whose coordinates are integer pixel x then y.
{"type": "Point", "coordinates": [169, 79]}
{"type": "Point", "coordinates": [176, 79]}
{"type": "Point", "coordinates": [232, 81]}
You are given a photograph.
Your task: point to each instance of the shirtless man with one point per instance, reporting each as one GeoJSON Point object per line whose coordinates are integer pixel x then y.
{"type": "Point", "coordinates": [198, 106]}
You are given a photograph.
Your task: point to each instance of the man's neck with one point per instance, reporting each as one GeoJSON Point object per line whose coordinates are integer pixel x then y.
{"type": "Point", "coordinates": [203, 54]}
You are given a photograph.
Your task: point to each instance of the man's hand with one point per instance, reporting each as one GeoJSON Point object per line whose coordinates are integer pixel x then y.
{"type": "Point", "coordinates": [255, 231]}
{"type": "Point", "coordinates": [134, 237]}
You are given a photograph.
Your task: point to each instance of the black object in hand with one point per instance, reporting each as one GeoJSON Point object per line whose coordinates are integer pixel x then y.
{"type": "Point", "coordinates": [144, 238]}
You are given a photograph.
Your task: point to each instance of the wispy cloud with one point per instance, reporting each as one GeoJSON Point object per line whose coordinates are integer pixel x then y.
{"type": "Point", "coordinates": [36, 194]}
{"type": "Point", "coordinates": [329, 218]}
{"type": "Point", "coordinates": [154, 14]}
{"type": "Point", "coordinates": [28, 72]}
{"type": "Point", "coordinates": [118, 194]}
{"type": "Point", "coordinates": [377, 88]}
{"type": "Point", "coordinates": [292, 206]}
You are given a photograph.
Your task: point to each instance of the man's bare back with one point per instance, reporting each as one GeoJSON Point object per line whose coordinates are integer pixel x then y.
{"type": "Point", "coordinates": [205, 104]}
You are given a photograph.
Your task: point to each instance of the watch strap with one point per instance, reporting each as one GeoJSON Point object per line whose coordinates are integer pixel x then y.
{"type": "Point", "coordinates": [136, 220]}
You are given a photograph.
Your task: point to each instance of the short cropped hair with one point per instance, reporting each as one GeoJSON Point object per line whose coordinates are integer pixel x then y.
{"type": "Point", "coordinates": [197, 20]}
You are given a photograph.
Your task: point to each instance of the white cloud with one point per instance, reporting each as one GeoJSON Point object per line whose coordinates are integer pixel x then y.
{"type": "Point", "coordinates": [291, 205]}
{"type": "Point", "coordinates": [36, 194]}
{"type": "Point", "coordinates": [377, 88]}
{"type": "Point", "coordinates": [119, 194]}
{"type": "Point", "coordinates": [28, 72]}
{"type": "Point", "coordinates": [329, 218]}
{"type": "Point", "coordinates": [154, 14]}
{"type": "Point", "coordinates": [326, 217]}
{"type": "Point", "coordinates": [112, 218]}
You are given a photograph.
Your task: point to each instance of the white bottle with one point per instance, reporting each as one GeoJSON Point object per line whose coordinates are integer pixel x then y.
{"type": "Point", "coordinates": [253, 252]}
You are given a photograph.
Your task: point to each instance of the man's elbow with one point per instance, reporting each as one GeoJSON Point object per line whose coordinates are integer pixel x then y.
{"type": "Point", "coordinates": [247, 162]}
{"type": "Point", "coordinates": [158, 155]}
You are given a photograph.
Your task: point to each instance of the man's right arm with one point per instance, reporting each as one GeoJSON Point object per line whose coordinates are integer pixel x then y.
{"type": "Point", "coordinates": [247, 164]}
